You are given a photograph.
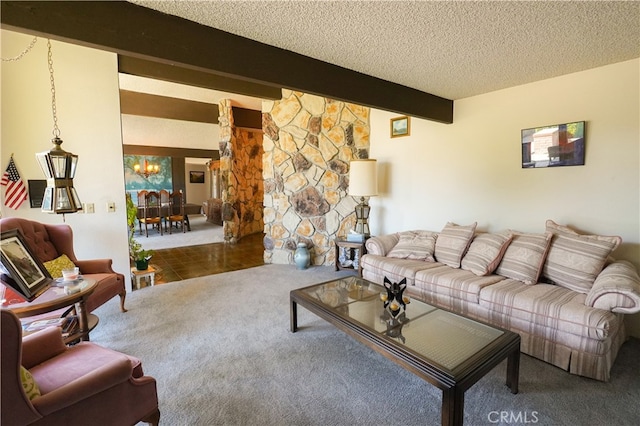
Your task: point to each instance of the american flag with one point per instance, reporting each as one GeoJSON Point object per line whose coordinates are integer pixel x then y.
{"type": "Point", "coordinates": [16, 192]}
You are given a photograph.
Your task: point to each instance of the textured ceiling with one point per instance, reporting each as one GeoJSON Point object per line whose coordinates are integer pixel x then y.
{"type": "Point", "coordinates": [452, 49]}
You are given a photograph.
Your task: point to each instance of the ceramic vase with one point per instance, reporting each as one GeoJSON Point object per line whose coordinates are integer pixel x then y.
{"type": "Point", "coordinates": [301, 257]}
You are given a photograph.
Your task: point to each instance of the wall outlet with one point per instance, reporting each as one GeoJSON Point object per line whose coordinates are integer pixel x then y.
{"type": "Point", "coordinates": [111, 207]}
{"type": "Point", "coordinates": [88, 207]}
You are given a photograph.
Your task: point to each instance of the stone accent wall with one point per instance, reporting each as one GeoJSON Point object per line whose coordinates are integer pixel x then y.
{"type": "Point", "coordinates": [308, 144]}
{"type": "Point", "coordinates": [241, 182]}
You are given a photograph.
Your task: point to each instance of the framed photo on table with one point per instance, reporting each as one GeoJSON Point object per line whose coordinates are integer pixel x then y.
{"type": "Point", "coordinates": [25, 273]}
{"type": "Point", "coordinates": [400, 126]}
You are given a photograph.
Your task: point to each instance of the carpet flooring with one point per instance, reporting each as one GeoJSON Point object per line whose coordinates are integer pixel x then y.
{"type": "Point", "coordinates": [202, 232]}
{"type": "Point", "coordinates": [222, 353]}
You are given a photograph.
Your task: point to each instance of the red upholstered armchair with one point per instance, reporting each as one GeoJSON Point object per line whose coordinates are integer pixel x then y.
{"type": "Point", "coordinates": [85, 384]}
{"type": "Point", "coordinates": [48, 242]}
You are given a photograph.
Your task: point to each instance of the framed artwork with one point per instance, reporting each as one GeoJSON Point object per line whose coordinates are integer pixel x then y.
{"type": "Point", "coordinates": [27, 275]}
{"type": "Point", "coordinates": [553, 146]}
{"type": "Point", "coordinates": [400, 126]}
{"type": "Point", "coordinates": [196, 177]}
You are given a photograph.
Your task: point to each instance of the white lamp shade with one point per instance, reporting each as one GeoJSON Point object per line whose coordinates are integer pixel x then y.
{"type": "Point", "coordinates": [363, 178]}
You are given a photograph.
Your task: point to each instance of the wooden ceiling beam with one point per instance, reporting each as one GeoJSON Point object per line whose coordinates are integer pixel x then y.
{"type": "Point", "coordinates": [207, 80]}
{"type": "Point", "coordinates": [147, 105]}
{"type": "Point", "coordinates": [134, 31]}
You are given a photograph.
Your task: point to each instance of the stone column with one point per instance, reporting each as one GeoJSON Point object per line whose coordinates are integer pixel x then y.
{"type": "Point", "coordinates": [240, 176]}
{"type": "Point", "coordinates": [308, 144]}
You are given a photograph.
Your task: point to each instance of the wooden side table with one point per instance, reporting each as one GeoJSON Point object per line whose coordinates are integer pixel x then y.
{"type": "Point", "coordinates": [55, 298]}
{"type": "Point", "coordinates": [149, 273]}
{"type": "Point", "coordinates": [354, 251]}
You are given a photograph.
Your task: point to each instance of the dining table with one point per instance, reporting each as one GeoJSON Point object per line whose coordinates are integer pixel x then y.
{"type": "Point", "coordinates": [189, 208]}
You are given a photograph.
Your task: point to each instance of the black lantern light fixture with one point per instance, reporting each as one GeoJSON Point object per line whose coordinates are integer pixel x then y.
{"type": "Point", "coordinates": [58, 165]}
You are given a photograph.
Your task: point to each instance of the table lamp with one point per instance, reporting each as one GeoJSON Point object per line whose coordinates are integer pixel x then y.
{"type": "Point", "coordinates": [363, 183]}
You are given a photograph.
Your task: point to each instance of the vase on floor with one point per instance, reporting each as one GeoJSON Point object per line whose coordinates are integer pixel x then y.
{"type": "Point", "coordinates": [301, 257]}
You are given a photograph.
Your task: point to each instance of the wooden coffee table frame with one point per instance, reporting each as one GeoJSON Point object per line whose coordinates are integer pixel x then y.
{"type": "Point", "coordinates": [453, 383]}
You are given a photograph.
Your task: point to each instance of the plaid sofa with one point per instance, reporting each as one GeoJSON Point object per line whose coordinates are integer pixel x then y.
{"type": "Point", "coordinates": [560, 290]}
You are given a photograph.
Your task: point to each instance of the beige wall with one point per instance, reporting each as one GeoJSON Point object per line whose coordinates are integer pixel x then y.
{"type": "Point", "coordinates": [89, 120]}
{"type": "Point", "coordinates": [471, 170]}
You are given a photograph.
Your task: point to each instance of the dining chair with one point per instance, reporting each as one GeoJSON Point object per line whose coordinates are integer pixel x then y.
{"type": "Point", "coordinates": [176, 210]}
{"type": "Point", "coordinates": [141, 196]}
{"type": "Point", "coordinates": [151, 212]}
{"type": "Point", "coordinates": [164, 203]}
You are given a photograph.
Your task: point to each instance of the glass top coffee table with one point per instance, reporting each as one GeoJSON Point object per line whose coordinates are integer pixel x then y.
{"type": "Point", "coordinates": [447, 350]}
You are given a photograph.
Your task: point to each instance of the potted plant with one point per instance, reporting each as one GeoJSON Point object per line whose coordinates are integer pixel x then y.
{"type": "Point", "coordinates": [137, 254]}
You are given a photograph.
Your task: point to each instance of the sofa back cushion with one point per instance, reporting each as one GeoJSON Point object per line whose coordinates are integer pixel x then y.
{"type": "Point", "coordinates": [524, 257]}
{"type": "Point", "coordinates": [485, 252]}
{"type": "Point", "coordinates": [574, 260]}
{"type": "Point", "coordinates": [452, 243]}
{"type": "Point", "coordinates": [416, 245]}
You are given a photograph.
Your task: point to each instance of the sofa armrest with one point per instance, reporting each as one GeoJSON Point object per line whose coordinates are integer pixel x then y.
{"type": "Point", "coordinates": [95, 266]}
{"type": "Point", "coordinates": [381, 245]}
{"type": "Point", "coordinates": [41, 346]}
{"type": "Point", "coordinates": [616, 289]}
{"type": "Point", "coordinates": [107, 376]}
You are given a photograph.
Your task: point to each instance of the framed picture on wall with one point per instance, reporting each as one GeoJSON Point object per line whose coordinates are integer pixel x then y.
{"type": "Point", "coordinates": [25, 273]}
{"type": "Point", "coordinates": [400, 126]}
{"type": "Point", "coordinates": [196, 177]}
{"type": "Point", "coordinates": [553, 146]}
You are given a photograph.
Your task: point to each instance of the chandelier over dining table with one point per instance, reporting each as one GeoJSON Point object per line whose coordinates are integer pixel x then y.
{"type": "Point", "coordinates": [147, 169]}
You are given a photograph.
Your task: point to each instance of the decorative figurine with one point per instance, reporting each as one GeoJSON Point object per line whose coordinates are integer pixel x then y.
{"type": "Point", "coordinates": [394, 301]}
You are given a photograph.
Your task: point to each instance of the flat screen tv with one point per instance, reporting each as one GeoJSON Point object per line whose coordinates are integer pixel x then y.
{"type": "Point", "coordinates": [553, 146]}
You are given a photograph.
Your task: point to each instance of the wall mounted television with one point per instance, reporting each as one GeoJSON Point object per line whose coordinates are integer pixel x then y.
{"type": "Point", "coordinates": [554, 146]}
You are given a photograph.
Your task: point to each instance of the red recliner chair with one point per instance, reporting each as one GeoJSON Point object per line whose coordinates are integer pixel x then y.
{"type": "Point", "coordinates": [85, 384]}
{"type": "Point", "coordinates": [48, 242]}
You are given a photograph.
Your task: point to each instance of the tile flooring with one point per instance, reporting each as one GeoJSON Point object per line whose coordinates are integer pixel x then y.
{"type": "Point", "coordinates": [180, 263]}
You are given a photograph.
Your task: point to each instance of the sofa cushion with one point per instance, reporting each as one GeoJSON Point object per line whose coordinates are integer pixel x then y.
{"type": "Point", "coordinates": [375, 268]}
{"type": "Point", "coordinates": [417, 245]}
{"type": "Point", "coordinates": [56, 265]}
{"type": "Point", "coordinates": [452, 243]}
{"type": "Point", "coordinates": [485, 252]}
{"type": "Point", "coordinates": [617, 288]}
{"type": "Point", "coordinates": [524, 257]}
{"type": "Point", "coordinates": [454, 283]}
{"type": "Point", "coordinates": [548, 308]}
{"type": "Point", "coordinates": [574, 260]}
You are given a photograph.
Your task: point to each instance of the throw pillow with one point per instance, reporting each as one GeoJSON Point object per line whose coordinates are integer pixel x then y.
{"type": "Point", "coordinates": [418, 245]}
{"type": "Point", "coordinates": [574, 260]}
{"type": "Point", "coordinates": [524, 257]}
{"type": "Point", "coordinates": [452, 243]}
{"type": "Point", "coordinates": [56, 266]}
{"type": "Point", "coordinates": [485, 253]}
{"type": "Point", "coordinates": [29, 384]}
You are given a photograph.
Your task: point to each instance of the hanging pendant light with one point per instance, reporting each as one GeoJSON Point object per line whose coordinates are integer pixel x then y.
{"type": "Point", "coordinates": [58, 165]}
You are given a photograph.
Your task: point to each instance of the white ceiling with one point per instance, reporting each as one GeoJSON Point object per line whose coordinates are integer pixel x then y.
{"type": "Point", "coordinates": [453, 49]}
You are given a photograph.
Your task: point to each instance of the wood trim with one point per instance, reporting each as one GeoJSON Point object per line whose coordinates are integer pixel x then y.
{"type": "Point", "coordinates": [207, 80]}
{"type": "Point", "coordinates": [163, 151]}
{"type": "Point", "coordinates": [136, 103]}
{"type": "Point", "coordinates": [247, 118]}
{"type": "Point", "coordinates": [135, 31]}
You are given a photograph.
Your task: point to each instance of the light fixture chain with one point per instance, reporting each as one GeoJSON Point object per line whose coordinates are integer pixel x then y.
{"type": "Point", "coordinates": [56, 130]}
{"type": "Point", "coordinates": [24, 52]}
